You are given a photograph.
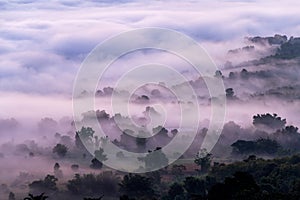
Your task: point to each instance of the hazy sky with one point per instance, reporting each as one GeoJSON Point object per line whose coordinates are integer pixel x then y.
{"type": "Point", "coordinates": [42, 43]}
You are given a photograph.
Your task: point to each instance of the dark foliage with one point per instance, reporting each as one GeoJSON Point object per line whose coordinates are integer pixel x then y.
{"type": "Point", "coordinates": [60, 149]}
{"type": "Point", "coordinates": [176, 191]}
{"type": "Point", "coordinates": [203, 160]}
{"type": "Point", "coordinates": [137, 186]}
{"type": "Point", "coordinates": [240, 186]}
{"type": "Point", "coordinates": [85, 135]}
{"type": "Point", "coordinates": [47, 185]}
{"type": "Point", "coordinates": [39, 197]}
{"type": "Point", "coordinates": [96, 164]}
{"type": "Point", "coordinates": [105, 183]}
{"type": "Point", "coordinates": [260, 146]}
{"type": "Point", "coordinates": [88, 198]}
{"type": "Point", "coordinates": [268, 120]}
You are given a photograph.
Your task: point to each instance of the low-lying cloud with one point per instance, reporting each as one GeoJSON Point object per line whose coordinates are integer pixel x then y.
{"type": "Point", "coordinates": [46, 41]}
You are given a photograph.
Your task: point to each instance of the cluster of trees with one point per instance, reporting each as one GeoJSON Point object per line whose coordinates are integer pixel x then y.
{"type": "Point", "coordinates": [274, 138]}
{"type": "Point", "coordinates": [239, 180]}
{"type": "Point", "coordinates": [258, 147]}
{"type": "Point", "coordinates": [269, 121]}
{"type": "Point", "coordinates": [276, 179]}
{"type": "Point", "coordinates": [252, 178]}
{"type": "Point", "coordinates": [105, 183]}
{"type": "Point", "coordinates": [289, 49]}
{"type": "Point", "coordinates": [244, 74]}
{"type": "Point", "coordinates": [289, 92]}
{"type": "Point", "coordinates": [47, 185]}
{"type": "Point", "coordinates": [284, 140]}
{"type": "Point", "coordinates": [275, 40]}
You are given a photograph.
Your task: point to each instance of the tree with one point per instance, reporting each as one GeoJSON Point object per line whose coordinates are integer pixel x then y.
{"type": "Point", "coordinates": [267, 146]}
{"type": "Point", "coordinates": [243, 147]}
{"type": "Point", "coordinates": [39, 197]}
{"type": "Point", "coordinates": [102, 115]}
{"type": "Point", "coordinates": [137, 186]}
{"type": "Point", "coordinates": [241, 186]}
{"type": "Point", "coordinates": [105, 183]}
{"type": "Point", "coordinates": [61, 150]}
{"type": "Point", "coordinates": [232, 75]}
{"type": "Point", "coordinates": [161, 131]}
{"type": "Point", "coordinates": [269, 121]}
{"type": "Point", "coordinates": [155, 159]}
{"type": "Point", "coordinates": [99, 198]}
{"type": "Point", "coordinates": [203, 159]}
{"type": "Point", "coordinates": [155, 177]}
{"type": "Point", "coordinates": [125, 197]}
{"type": "Point", "coordinates": [56, 166]}
{"type": "Point", "coordinates": [176, 190]}
{"type": "Point", "coordinates": [99, 158]}
{"type": "Point", "coordinates": [104, 141]}
{"type": "Point", "coordinates": [85, 135]}
{"type": "Point", "coordinates": [99, 154]}
{"type": "Point", "coordinates": [260, 146]}
{"type": "Point", "coordinates": [96, 164]}
{"type": "Point", "coordinates": [290, 130]}
{"type": "Point", "coordinates": [230, 93]}
{"type": "Point", "coordinates": [288, 137]}
{"type": "Point", "coordinates": [11, 196]}
{"type": "Point", "coordinates": [48, 184]}
{"type": "Point", "coordinates": [218, 74]}
{"type": "Point", "coordinates": [244, 74]}
{"type": "Point", "coordinates": [195, 187]}
{"type": "Point", "coordinates": [57, 172]}
{"type": "Point", "coordinates": [289, 49]}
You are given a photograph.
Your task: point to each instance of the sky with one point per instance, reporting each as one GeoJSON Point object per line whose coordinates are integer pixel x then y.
{"type": "Point", "coordinates": [43, 43]}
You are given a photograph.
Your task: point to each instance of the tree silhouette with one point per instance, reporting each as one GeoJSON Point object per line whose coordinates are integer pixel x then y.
{"type": "Point", "coordinates": [244, 74]}
{"type": "Point", "coordinates": [99, 158]}
{"type": "Point", "coordinates": [57, 172]}
{"type": "Point", "coordinates": [39, 197]}
{"type": "Point", "coordinates": [203, 159]}
{"type": "Point", "coordinates": [229, 93]}
{"type": "Point", "coordinates": [155, 159]}
{"type": "Point", "coordinates": [232, 75]}
{"type": "Point", "coordinates": [195, 187]}
{"type": "Point", "coordinates": [11, 196]}
{"type": "Point", "coordinates": [99, 198]}
{"type": "Point", "coordinates": [99, 154]}
{"type": "Point", "coordinates": [96, 164]}
{"type": "Point", "coordinates": [61, 150]}
{"type": "Point", "coordinates": [260, 146]}
{"type": "Point", "coordinates": [175, 191]}
{"type": "Point", "coordinates": [241, 186]}
{"type": "Point", "coordinates": [268, 120]}
{"type": "Point", "coordinates": [48, 184]}
{"type": "Point", "coordinates": [85, 135]}
{"type": "Point", "coordinates": [105, 183]}
{"type": "Point", "coordinates": [137, 186]}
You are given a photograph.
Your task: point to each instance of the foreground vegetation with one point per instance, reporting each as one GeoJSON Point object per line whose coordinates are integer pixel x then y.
{"type": "Point", "coordinates": [252, 178]}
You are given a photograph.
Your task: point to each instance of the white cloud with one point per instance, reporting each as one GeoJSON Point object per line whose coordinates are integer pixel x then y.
{"type": "Point", "coordinates": [42, 41]}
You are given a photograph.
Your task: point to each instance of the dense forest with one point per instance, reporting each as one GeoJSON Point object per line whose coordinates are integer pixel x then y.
{"type": "Point", "coordinates": [264, 167]}
{"type": "Point", "coordinates": [257, 155]}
